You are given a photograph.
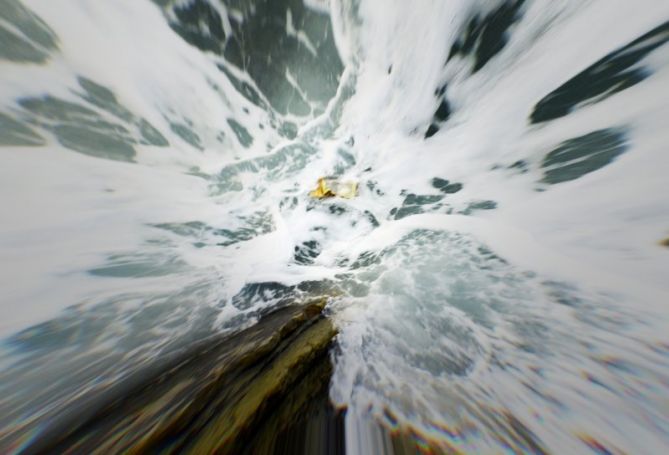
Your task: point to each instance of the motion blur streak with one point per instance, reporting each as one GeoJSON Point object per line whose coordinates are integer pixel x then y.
{"type": "Point", "coordinates": [499, 283]}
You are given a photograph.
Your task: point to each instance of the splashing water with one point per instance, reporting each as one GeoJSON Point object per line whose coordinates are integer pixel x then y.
{"type": "Point", "coordinates": [499, 282]}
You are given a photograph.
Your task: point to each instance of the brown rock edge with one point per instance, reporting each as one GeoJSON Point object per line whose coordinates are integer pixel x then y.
{"type": "Point", "coordinates": [262, 390]}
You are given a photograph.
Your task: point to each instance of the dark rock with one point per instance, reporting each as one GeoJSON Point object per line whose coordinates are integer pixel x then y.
{"type": "Point", "coordinates": [416, 199]}
{"type": "Point", "coordinates": [443, 111]}
{"type": "Point", "coordinates": [15, 132]}
{"type": "Point", "coordinates": [243, 135]}
{"type": "Point", "coordinates": [414, 204]}
{"type": "Point", "coordinates": [486, 36]}
{"type": "Point", "coordinates": [451, 188]}
{"type": "Point", "coordinates": [25, 37]}
{"type": "Point", "coordinates": [306, 252]}
{"type": "Point", "coordinates": [403, 212]}
{"type": "Point", "coordinates": [187, 134]}
{"type": "Point", "coordinates": [439, 183]}
{"type": "Point", "coordinates": [618, 71]}
{"type": "Point", "coordinates": [579, 156]}
{"type": "Point", "coordinates": [336, 209]}
{"type": "Point", "coordinates": [431, 130]}
{"type": "Point", "coordinates": [81, 127]}
{"type": "Point", "coordinates": [213, 398]}
{"type": "Point", "coordinates": [521, 165]}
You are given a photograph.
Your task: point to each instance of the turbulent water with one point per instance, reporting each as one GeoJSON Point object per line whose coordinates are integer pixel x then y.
{"type": "Point", "coordinates": [500, 282]}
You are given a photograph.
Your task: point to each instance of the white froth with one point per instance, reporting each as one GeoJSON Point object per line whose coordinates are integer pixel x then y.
{"type": "Point", "coordinates": [592, 242]}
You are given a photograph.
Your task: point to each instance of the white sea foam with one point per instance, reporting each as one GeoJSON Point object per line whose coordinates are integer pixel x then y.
{"type": "Point", "coordinates": [549, 306]}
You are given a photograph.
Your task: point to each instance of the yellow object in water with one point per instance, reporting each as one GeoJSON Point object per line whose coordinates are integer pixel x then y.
{"type": "Point", "coordinates": [322, 191]}
{"type": "Point", "coordinates": [331, 188]}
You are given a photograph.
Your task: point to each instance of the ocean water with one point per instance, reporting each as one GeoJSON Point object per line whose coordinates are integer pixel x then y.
{"type": "Point", "coordinates": [500, 283]}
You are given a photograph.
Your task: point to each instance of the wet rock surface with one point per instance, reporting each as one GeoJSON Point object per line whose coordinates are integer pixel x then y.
{"type": "Point", "coordinates": [486, 35]}
{"type": "Point", "coordinates": [213, 398]}
{"type": "Point", "coordinates": [445, 186]}
{"type": "Point", "coordinates": [25, 37]}
{"type": "Point", "coordinates": [617, 71]}
{"type": "Point", "coordinates": [97, 125]}
{"type": "Point", "coordinates": [582, 155]}
{"type": "Point", "coordinates": [441, 115]}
